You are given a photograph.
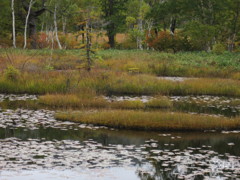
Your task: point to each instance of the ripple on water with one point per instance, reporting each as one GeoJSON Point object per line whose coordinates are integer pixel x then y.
{"type": "Point", "coordinates": [154, 158]}
{"type": "Point", "coordinates": [14, 97]}
{"type": "Point", "coordinates": [216, 102]}
{"type": "Point", "coordinates": [16, 155]}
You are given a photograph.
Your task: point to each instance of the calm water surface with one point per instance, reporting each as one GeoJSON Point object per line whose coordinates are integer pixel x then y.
{"type": "Point", "coordinates": [33, 145]}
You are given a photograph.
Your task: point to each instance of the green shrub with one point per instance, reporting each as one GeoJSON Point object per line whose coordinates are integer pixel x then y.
{"type": "Point", "coordinates": [218, 48]}
{"type": "Point", "coordinates": [127, 44]}
{"type": "Point", "coordinates": [11, 73]}
{"type": "Point", "coordinates": [164, 41]}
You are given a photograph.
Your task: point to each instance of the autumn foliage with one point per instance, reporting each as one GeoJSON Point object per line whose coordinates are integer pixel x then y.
{"type": "Point", "coordinates": [165, 41]}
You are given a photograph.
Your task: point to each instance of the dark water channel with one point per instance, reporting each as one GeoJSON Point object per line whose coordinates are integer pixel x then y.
{"type": "Point", "coordinates": [218, 105]}
{"type": "Point", "coordinates": [33, 145]}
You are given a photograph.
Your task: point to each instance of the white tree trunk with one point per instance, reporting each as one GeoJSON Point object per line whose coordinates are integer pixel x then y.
{"type": "Point", "coordinates": [42, 27]}
{"type": "Point", "coordinates": [26, 23]}
{"type": "Point", "coordinates": [140, 27]}
{"type": "Point", "coordinates": [64, 23]}
{"type": "Point", "coordinates": [149, 28]}
{"type": "Point", "coordinates": [52, 40]}
{"type": "Point", "coordinates": [56, 28]}
{"type": "Point", "coordinates": [139, 39]}
{"type": "Point", "coordinates": [13, 25]}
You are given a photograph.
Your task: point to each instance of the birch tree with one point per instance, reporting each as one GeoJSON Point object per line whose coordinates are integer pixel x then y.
{"type": "Point", "coordinates": [13, 25]}
{"type": "Point", "coordinates": [56, 27]}
{"type": "Point", "coordinates": [140, 26]}
{"type": "Point", "coordinates": [139, 14]}
{"type": "Point", "coordinates": [26, 23]}
{"type": "Point", "coordinates": [33, 17]}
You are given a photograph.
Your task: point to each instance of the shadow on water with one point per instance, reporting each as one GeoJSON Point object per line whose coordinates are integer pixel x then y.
{"type": "Point", "coordinates": [217, 141]}
{"type": "Point", "coordinates": [33, 141]}
{"type": "Point", "coordinates": [154, 155]}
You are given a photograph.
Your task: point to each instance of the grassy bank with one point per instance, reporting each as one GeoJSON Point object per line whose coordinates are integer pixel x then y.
{"type": "Point", "coordinates": [140, 120]}
{"type": "Point", "coordinates": [190, 64]}
{"type": "Point", "coordinates": [87, 101]}
{"type": "Point", "coordinates": [34, 83]}
{"type": "Point", "coordinates": [108, 82]}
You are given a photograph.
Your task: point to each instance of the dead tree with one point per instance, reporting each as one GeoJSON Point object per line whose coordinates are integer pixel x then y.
{"type": "Point", "coordinates": [32, 21]}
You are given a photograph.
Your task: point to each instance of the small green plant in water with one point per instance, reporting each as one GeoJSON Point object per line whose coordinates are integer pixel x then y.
{"type": "Point", "coordinates": [11, 73]}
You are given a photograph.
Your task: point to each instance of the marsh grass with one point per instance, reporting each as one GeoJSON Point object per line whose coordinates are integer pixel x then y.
{"type": "Point", "coordinates": [29, 104]}
{"type": "Point", "coordinates": [185, 64]}
{"type": "Point", "coordinates": [150, 85]}
{"type": "Point", "coordinates": [108, 77]}
{"type": "Point", "coordinates": [159, 102]}
{"type": "Point", "coordinates": [39, 83]}
{"type": "Point", "coordinates": [73, 101]}
{"type": "Point", "coordinates": [188, 64]}
{"type": "Point", "coordinates": [140, 120]}
{"type": "Point", "coordinates": [236, 76]}
{"type": "Point", "coordinates": [115, 83]}
{"type": "Point", "coordinates": [137, 104]}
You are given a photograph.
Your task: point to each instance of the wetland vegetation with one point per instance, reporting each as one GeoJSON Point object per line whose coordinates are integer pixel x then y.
{"type": "Point", "coordinates": [154, 125]}
{"type": "Point", "coordinates": [103, 89]}
{"type": "Point", "coordinates": [69, 89]}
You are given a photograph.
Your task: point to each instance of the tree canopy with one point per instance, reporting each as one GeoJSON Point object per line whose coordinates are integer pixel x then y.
{"type": "Point", "coordinates": [198, 24]}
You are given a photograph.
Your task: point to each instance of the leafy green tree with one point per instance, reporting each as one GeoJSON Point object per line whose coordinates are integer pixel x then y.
{"type": "Point", "coordinates": [137, 10]}
{"type": "Point", "coordinates": [5, 16]}
{"type": "Point", "coordinates": [114, 13]}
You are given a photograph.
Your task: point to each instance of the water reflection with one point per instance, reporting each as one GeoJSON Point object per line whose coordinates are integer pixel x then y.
{"type": "Point", "coordinates": [39, 143]}
{"type": "Point", "coordinates": [218, 105]}
{"type": "Point", "coordinates": [226, 106]}
{"type": "Point", "coordinates": [15, 97]}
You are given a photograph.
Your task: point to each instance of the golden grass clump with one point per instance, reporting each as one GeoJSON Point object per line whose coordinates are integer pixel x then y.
{"type": "Point", "coordinates": [236, 76]}
{"type": "Point", "coordinates": [137, 104]}
{"type": "Point", "coordinates": [72, 101]}
{"type": "Point", "coordinates": [88, 100]}
{"type": "Point", "coordinates": [114, 83]}
{"type": "Point", "coordinates": [205, 86]}
{"type": "Point", "coordinates": [60, 100]}
{"type": "Point", "coordinates": [159, 102]}
{"type": "Point", "coordinates": [140, 120]}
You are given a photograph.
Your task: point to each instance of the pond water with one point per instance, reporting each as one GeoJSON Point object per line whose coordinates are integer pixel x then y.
{"type": "Point", "coordinates": [176, 79]}
{"type": "Point", "coordinates": [14, 97]}
{"type": "Point", "coordinates": [33, 145]}
{"type": "Point", "coordinates": [218, 105]}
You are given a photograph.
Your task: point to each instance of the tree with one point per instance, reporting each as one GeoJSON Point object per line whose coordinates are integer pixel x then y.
{"type": "Point", "coordinates": [137, 10]}
{"type": "Point", "coordinates": [34, 13]}
{"type": "Point", "coordinates": [13, 24]}
{"type": "Point", "coordinates": [200, 35]}
{"type": "Point", "coordinates": [234, 23]}
{"type": "Point", "coordinates": [114, 15]}
{"type": "Point", "coordinates": [6, 19]}
{"type": "Point", "coordinates": [89, 19]}
{"type": "Point", "coordinates": [26, 23]}
{"type": "Point", "coordinates": [56, 27]}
